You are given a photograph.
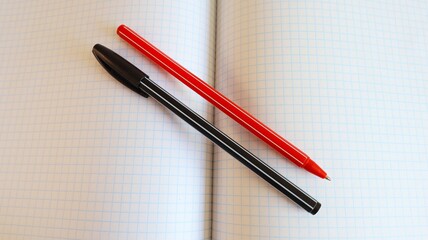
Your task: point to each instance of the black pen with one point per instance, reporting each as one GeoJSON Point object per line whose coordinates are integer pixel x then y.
{"type": "Point", "coordinates": [140, 83]}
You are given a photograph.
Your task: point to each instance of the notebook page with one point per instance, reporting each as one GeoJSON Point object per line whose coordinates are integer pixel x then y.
{"type": "Point", "coordinates": [82, 156]}
{"type": "Point", "coordinates": [347, 83]}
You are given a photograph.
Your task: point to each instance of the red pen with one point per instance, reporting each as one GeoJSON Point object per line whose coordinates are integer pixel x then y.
{"type": "Point", "coordinates": [221, 102]}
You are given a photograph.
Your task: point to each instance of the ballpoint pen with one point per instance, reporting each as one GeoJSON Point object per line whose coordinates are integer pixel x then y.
{"type": "Point", "coordinates": [140, 82]}
{"type": "Point", "coordinates": [220, 101]}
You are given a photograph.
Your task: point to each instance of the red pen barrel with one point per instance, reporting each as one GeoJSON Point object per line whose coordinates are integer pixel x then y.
{"type": "Point", "coordinates": [231, 109]}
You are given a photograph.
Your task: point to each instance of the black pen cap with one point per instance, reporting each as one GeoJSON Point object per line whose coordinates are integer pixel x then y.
{"type": "Point", "coordinates": [124, 71]}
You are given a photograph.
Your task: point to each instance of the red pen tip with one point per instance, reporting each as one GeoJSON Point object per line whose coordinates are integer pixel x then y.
{"type": "Point", "coordinates": [313, 168]}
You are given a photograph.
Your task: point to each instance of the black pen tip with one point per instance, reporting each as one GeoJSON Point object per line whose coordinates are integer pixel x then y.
{"type": "Point", "coordinates": [120, 68]}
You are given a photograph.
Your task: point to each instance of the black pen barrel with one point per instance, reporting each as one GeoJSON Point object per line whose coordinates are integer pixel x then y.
{"type": "Point", "coordinates": [139, 82]}
{"type": "Point", "coordinates": [231, 146]}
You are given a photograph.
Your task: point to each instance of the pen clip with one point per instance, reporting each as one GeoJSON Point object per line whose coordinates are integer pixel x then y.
{"type": "Point", "coordinates": [111, 62]}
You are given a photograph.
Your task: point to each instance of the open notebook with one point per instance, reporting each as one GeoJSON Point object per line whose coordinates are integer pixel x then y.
{"type": "Point", "coordinates": [83, 157]}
